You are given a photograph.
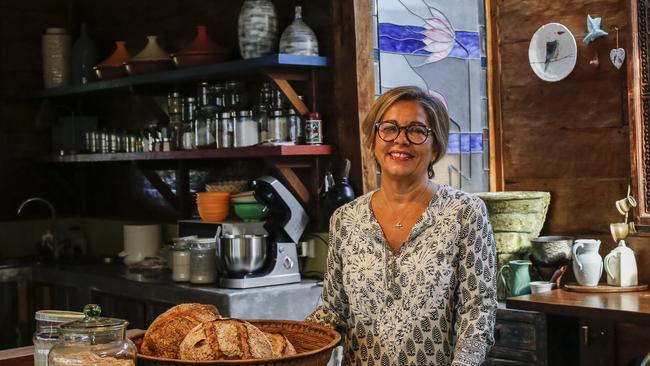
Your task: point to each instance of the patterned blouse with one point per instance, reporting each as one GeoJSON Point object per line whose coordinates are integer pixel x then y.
{"type": "Point", "coordinates": [432, 303]}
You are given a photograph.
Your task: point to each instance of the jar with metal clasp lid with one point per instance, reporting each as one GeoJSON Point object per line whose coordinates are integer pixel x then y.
{"type": "Point", "coordinates": [93, 340]}
{"type": "Point", "coordinates": [47, 331]}
{"type": "Point", "coordinates": [203, 261]}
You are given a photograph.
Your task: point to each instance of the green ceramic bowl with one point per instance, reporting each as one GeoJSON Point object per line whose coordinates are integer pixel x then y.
{"type": "Point", "coordinates": [251, 211]}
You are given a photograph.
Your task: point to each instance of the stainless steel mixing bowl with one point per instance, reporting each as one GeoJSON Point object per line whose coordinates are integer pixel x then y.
{"type": "Point", "coordinates": [552, 250]}
{"type": "Point", "coordinates": [242, 254]}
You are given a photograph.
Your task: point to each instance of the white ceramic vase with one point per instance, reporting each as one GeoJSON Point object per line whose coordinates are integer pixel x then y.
{"type": "Point", "coordinates": [55, 45]}
{"type": "Point", "coordinates": [587, 263]}
{"type": "Point", "coordinates": [257, 28]}
{"type": "Point", "coordinates": [298, 38]}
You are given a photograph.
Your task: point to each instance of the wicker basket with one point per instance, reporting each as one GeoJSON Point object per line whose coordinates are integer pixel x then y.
{"type": "Point", "coordinates": [313, 343]}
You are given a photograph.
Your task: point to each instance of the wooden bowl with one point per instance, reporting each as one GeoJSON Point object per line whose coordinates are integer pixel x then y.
{"type": "Point", "coordinates": [313, 343]}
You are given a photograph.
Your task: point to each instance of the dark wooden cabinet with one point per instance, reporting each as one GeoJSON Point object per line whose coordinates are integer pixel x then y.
{"type": "Point", "coordinates": [520, 339]}
{"type": "Point", "coordinates": [609, 329]}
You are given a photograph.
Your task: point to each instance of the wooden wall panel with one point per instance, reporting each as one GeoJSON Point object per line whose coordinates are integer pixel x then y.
{"type": "Point", "coordinates": [569, 138]}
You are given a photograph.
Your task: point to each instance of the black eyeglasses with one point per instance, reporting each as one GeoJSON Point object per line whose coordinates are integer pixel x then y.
{"type": "Point", "coordinates": [416, 134]}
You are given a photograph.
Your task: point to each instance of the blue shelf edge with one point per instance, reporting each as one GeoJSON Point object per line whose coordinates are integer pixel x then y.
{"type": "Point", "coordinates": [188, 74]}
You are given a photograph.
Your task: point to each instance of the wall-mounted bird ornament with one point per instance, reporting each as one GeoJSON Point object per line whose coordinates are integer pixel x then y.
{"type": "Point", "coordinates": [593, 29]}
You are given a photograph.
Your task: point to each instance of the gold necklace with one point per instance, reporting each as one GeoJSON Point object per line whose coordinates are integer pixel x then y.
{"type": "Point", "coordinates": [399, 224]}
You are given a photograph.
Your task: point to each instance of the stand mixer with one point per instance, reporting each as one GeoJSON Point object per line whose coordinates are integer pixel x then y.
{"type": "Point", "coordinates": [254, 259]}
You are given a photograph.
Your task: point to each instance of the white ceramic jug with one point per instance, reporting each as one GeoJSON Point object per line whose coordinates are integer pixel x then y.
{"type": "Point", "coordinates": [620, 266]}
{"type": "Point", "coordinates": [587, 263]}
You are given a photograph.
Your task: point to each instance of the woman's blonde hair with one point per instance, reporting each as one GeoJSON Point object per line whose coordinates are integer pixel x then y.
{"type": "Point", "coordinates": [436, 113]}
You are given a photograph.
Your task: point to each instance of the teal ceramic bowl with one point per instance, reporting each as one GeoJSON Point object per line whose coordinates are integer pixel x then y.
{"type": "Point", "coordinates": [251, 211]}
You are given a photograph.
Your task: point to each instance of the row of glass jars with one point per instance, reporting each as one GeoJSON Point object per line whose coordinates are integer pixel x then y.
{"type": "Point", "coordinates": [194, 260]}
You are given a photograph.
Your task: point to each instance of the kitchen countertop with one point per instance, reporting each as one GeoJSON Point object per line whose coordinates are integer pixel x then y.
{"type": "Point", "coordinates": [291, 301]}
{"type": "Point", "coordinates": [620, 306]}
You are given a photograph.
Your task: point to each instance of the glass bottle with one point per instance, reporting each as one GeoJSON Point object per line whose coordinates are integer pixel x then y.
{"type": "Point", "coordinates": [203, 261]}
{"type": "Point", "coordinates": [235, 95]}
{"type": "Point", "coordinates": [205, 95]}
{"type": "Point", "coordinates": [219, 95]}
{"type": "Point", "coordinates": [278, 131]}
{"type": "Point", "coordinates": [246, 129]}
{"type": "Point", "coordinates": [175, 113]}
{"type": "Point", "coordinates": [224, 130]}
{"type": "Point", "coordinates": [188, 117]}
{"type": "Point", "coordinates": [47, 331]}
{"type": "Point", "coordinates": [295, 125]}
{"type": "Point", "coordinates": [262, 109]}
{"type": "Point", "coordinates": [93, 340]}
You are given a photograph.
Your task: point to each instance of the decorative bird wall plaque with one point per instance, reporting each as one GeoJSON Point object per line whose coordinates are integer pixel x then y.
{"type": "Point", "coordinates": [552, 52]}
{"type": "Point", "coordinates": [593, 30]}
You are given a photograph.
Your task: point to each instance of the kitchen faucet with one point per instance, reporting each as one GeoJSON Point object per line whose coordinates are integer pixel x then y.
{"type": "Point", "coordinates": [48, 240]}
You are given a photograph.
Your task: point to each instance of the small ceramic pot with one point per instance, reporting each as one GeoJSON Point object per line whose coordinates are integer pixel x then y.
{"type": "Point", "coordinates": [538, 287]}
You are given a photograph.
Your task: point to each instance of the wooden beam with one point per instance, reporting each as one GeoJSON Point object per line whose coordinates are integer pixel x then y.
{"type": "Point", "coordinates": [494, 97]}
{"type": "Point", "coordinates": [294, 182]}
{"type": "Point", "coordinates": [354, 86]}
{"type": "Point", "coordinates": [290, 93]}
{"type": "Point", "coordinates": [160, 186]}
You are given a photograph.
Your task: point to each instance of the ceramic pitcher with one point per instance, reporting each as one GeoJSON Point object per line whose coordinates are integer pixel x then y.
{"type": "Point", "coordinates": [587, 263]}
{"type": "Point", "coordinates": [515, 277]}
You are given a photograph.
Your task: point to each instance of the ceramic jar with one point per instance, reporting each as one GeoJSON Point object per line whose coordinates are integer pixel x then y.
{"type": "Point", "coordinates": [84, 57]}
{"type": "Point", "coordinates": [56, 57]}
{"type": "Point", "coordinates": [587, 263]}
{"type": "Point", "coordinates": [257, 28]}
{"type": "Point", "coordinates": [298, 38]}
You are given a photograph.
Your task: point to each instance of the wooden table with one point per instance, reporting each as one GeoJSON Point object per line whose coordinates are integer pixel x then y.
{"type": "Point", "coordinates": [593, 328]}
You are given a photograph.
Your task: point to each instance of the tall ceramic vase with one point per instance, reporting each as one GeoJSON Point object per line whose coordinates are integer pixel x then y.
{"type": "Point", "coordinates": [84, 57]}
{"type": "Point", "coordinates": [587, 263]}
{"type": "Point", "coordinates": [257, 28]}
{"type": "Point", "coordinates": [298, 38]}
{"type": "Point", "coordinates": [55, 45]}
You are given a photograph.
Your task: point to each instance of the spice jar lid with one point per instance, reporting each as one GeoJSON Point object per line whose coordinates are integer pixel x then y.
{"type": "Point", "coordinates": [313, 115]}
{"type": "Point", "coordinates": [226, 115]}
{"type": "Point", "coordinates": [276, 113]}
{"type": "Point", "coordinates": [245, 113]}
{"type": "Point", "coordinates": [57, 316]}
{"type": "Point", "coordinates": [93, 322]}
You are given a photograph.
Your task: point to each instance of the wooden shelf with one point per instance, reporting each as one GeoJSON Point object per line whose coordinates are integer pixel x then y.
{"type": "Point", "coordinates": [288, 65]}
{"type": "Point", "coordinates": [238, 152]}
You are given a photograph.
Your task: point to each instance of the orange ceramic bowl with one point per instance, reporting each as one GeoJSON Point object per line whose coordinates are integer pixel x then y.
{"type": "Point", "coordinates": [213, 215]}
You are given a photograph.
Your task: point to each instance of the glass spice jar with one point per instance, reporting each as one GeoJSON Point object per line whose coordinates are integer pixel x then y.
{"type": "Point", "coordinates": [224, 130]}
{"type": "Point", "coordinates": [278, 131]}
{"type": "Point", "coordinates": [93, 340]}
{"type": "Point", "coordinates": [294, 123]}
{"type": "Point", "coordinates": [47, 331]}
{"type": "Point", "coordinates": [203, 261]}
{"type": "Point", "coordinates": [246, 131]}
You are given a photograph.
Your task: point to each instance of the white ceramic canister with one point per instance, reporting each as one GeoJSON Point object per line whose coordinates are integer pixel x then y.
{"type": "Point", "coordinates": [140, 241]}
{"type": "Point", "coordinates": [257, 28]}
{"type": "Point", "coordinates": [55, 45]}
{"type": "Point", "coordinates": [587, 263]}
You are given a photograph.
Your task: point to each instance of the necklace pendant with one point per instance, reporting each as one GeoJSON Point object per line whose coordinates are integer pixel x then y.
{"type": "Point", "coordinates": [399, 225]}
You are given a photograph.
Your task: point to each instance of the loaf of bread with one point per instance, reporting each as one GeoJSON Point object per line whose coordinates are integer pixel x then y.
{"type": "Point", "coordinates": [280, 345]}
{"type": "Point", "coordinates": [225, 339]}
{"type": "Point", "coordinates": [168, 330]}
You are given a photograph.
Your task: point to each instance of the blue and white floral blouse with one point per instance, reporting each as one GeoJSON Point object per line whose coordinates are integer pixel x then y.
{"type": "Point", "coordinates": [432, 303]}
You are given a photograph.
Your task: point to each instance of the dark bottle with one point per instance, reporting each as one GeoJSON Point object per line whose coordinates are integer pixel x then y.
{"type": "Point", "coordinates": [84, 58]}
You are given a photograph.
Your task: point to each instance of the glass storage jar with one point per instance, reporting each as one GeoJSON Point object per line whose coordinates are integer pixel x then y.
{"type": "Point", "coordinates": [47, 331]}
{"type": "Point", "coordinates": [181, 259]}
{"type": "Point", "coordinates": [93, 340]}
{"type": "Point", "coordinates": [203, 261]}
{"type": "Point", "coordinates": [224, 130]}
{"type": "Point", "coordinates": [278, 131]}
{"type": "Point", "coordinates": [246, 129]}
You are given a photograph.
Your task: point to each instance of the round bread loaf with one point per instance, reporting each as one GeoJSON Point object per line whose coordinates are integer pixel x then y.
{"type": "Point", "coordinates": [168, 330]}
{"type": "Point", "coordinates": [225, 339]}
{"type": "Point", "coordinates": [280, 345]}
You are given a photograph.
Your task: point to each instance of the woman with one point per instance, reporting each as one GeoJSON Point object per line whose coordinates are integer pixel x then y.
{"type": "Point", "coordinates": [410, 276]}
